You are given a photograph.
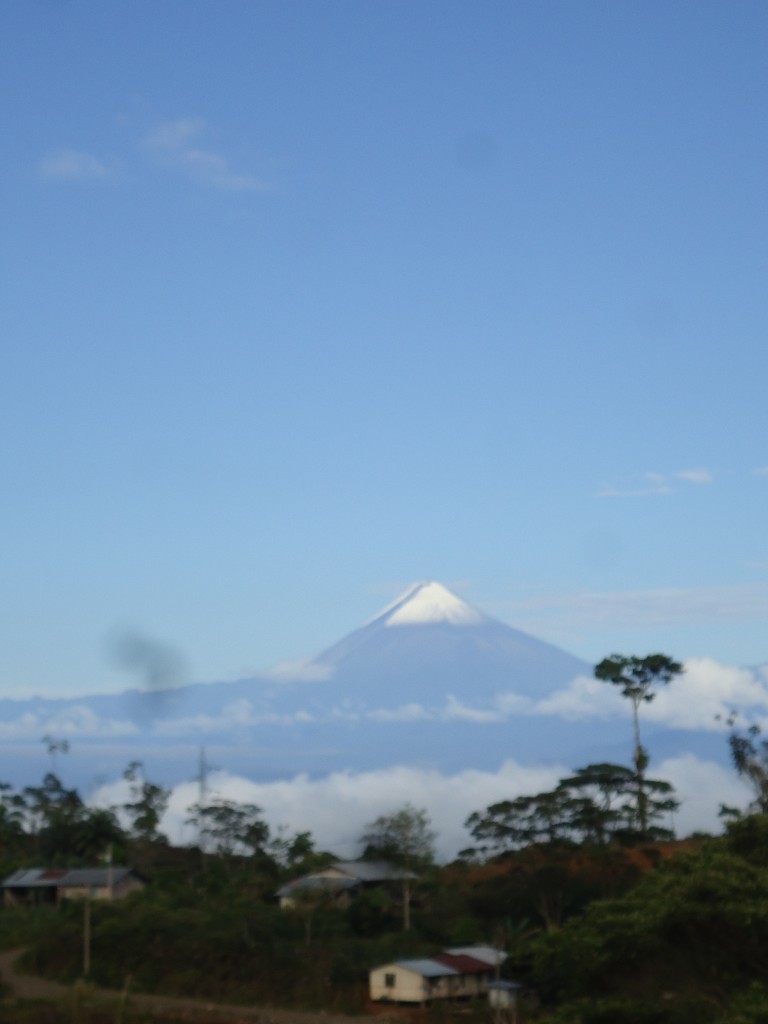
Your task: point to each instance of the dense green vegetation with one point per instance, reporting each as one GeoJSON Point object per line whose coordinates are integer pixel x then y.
{"type": "Point", "coordinates": [603, 914]}
{"type": "Point", "coordinates": [605, 926]}
{"type": "Point", "coordinates": [687, 942]}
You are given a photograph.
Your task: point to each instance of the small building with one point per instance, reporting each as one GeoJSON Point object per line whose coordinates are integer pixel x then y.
{"type": "Point", "coordinates": [342, 880]}
{"type": "Point", "coordinates": [504, 995]}
{"type": "Point", "coordinates": [411, 981]}
{"type": "Point", "coordinates": [453, 974]}
{"type": "Point", "coordinates": [51, 885]}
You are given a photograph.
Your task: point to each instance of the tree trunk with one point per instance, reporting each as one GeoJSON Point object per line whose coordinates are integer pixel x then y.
{"type": "Point", "coordinates": [640, 762]}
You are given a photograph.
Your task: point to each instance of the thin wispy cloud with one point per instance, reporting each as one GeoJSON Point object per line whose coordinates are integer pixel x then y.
{"type": "Point", "coordinates": [175, 144]}
{"type": "Point", "coordinates": [73, 165]}
{"type": "Point", "coordinates": [239, 715]}
{"type": "Point", "coordinates": [695, 476]}
{"type": "Point", "coordinates": [76, 721]}
{"type": "Point", "coordinates": [760, 471]}
{"type": "Point", "coordinates": [644, 486]}
{"type": "Point", "coordinates": [654, 485]}
{"type": "Point", "coordinates": [640, 609]}
{"type": "Point", "coordinates": [301, 671]}
{"type": "Point", "coordinates": [405, 713]}
{"type": "Point", "coordinates": [457, 709]}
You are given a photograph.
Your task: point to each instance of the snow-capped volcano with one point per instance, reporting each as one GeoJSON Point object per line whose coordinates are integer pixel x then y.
{"type": "Point", "coordinates": [428, 602]}
{"type": "Point", "coordinates": [429, 644]}
{"type": "Point", "coordinates": [429, 681]}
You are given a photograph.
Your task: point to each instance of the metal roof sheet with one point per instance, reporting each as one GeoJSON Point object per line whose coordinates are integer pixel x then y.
{"type": "Point", "coordinates": [486, 953]}
{"type": "Point", "coordinates": [427, 968]}
{"type": "Point", "coordinates": [349, 874]}
{"type": "Point", "coordinates": [64, 878]}
{"type": "Point", "coordinates": [464, 964]}
{"type": "Point", "coordinates": [371, 870]}
{"type": "Point", "coordinates": [317, 883]}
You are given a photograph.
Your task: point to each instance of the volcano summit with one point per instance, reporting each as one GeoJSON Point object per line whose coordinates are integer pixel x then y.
{"type": "Point", "coordinates": [429, 645]}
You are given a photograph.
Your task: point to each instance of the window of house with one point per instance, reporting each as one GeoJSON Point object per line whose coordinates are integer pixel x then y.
{"type": "Point", "coordinates": [389, 980]}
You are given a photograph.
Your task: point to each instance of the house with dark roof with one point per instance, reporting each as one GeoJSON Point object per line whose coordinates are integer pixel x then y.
{"type": "Point", "coordinates": [461, 973]}
{"type": "Point", "coordinates": [342, 880]}
{"type": "Point", "coordinates": [51, 885]}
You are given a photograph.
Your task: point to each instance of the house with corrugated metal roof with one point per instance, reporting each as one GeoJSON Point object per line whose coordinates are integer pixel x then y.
{"type": "Point", "coordinates": [461, 973]}
{"type": "Point", "coordinates": [51, 885]}
{"type": "Point", "coordinates": [342, 880]}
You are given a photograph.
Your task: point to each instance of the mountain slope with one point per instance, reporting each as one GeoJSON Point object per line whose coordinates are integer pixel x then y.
{"type": "Point", "coordinates": [429, 644]}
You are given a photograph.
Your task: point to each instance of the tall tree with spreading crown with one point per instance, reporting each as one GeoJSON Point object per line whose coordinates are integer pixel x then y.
{"type": "Point", "coordinates": [637, 678]}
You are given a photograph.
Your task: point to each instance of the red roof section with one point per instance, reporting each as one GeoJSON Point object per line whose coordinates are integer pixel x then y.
{"type": "Point", "coordinates": [463, 964]}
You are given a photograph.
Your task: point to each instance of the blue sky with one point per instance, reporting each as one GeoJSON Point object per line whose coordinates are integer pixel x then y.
{"type": "Point", "coordinates": [303, 302]}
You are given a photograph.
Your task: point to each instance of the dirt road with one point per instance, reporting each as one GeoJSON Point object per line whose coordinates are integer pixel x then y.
{"type": "Point", "coordinates": [26, 986]}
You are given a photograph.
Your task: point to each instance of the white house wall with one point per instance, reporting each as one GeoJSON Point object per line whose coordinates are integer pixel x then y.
{"type": "Point", "coordinates": [101, 892]}
{"type": "Point", "coordinates": [412, 987]}
{"type": "Point", "coordinates": [409, 986]}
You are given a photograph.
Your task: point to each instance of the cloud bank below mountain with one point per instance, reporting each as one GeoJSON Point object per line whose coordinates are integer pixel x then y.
{"type": "Point", "coordinates": [336, 808]}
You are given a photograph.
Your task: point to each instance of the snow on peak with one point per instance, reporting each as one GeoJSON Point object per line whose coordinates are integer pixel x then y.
{"type": "Point", "coordinates": [430, 602]}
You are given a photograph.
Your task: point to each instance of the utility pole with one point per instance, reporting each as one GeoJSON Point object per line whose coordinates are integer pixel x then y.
{"type": "Point", "coordinates": [202, 796]}
{"type": "Point", "coordinates": [86, 935]}
{"type": "Point", "coordinates": [110, 874]}
{"type": "Point", "coordinates": [202, 777]}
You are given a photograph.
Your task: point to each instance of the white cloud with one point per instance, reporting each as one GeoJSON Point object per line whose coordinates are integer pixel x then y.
{"type": "Point", "coordinates": [73, 165]}
{"type": "Point", "coordinates": [241, 714]}
{"type": "Point", "coordinates": [336, 808]}
{"type": "Point", "coordinates": [405, 713]}
{"type": "Point", "coordinates": [77, 720]}
{"type": "Point", "coordinates": [454, 708]}
{"type": "Point", "coordinates": [706, 691]}
{"type": "Point", "coordinates": [301, 671]}
{"type": "Point", "coordinates": [760, 471]}
{"type": "Point", "coordinates": [695, 476]}
{"type": "Point", "coordinates": [701, 787]}
{"type": "Point", "coordinates": [700, 699]}
{"type": "Point", "coordinates": [175, 135]}
{"type": "Point", "coordinates": [648, 485]}
{"type": "Point", "coordinates": [344, 713]}
{"type": "Point", "coordinates": [237, 715]}
{"type": "Point", "coordinates": [174, 145]}
{"type": "Point", "coordinates": [511, 703]}
{"type": "Point", "coordinates": [585, 697]}
{"type": "Point", "coordinates": [502, 706]}
{"type": "Point", "coordinates": [651, 484]}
